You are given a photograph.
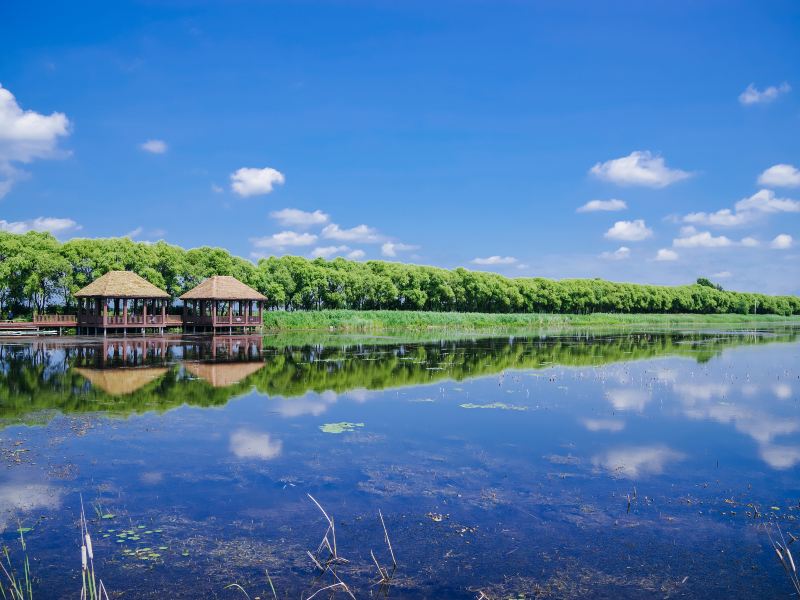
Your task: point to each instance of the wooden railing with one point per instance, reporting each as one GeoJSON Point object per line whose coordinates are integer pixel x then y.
{"type": "Point", "coordinates": [54, 319]}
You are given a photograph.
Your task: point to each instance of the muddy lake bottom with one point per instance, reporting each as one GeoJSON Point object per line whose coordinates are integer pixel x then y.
{"type": "Point", "coordinates": [571, 465]}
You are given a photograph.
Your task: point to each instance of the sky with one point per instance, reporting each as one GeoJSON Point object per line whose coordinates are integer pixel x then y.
{"type": "Point", "coordinates": [652, 142]}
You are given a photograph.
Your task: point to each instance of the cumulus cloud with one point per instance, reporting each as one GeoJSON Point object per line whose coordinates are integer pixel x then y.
{"type": "Point", "coordinates": [285, 239]}
{"type": "Point", "coordinates": [255, 182]}
{"type": "Point", "coordinates": [360, 234]}
{"type": "Point", "coordinates": [639, 168]}
{"type": "Point", "coordinates": [620, 253]}
{"type": "Point", "coordinates": [628, 399]}
{"type": "Point", "coordinates": [782, 241]}
{"type": "Point", "coordinates": [250, 444]}
{"type": "Point", "coordinates": [629, 231]}
{"type": "Point", "coordinates": [701, 239]}
{"type": "Point", "coordinates": [766, 201]}
{"type": "Point", "coordinates": [602, 205]}
{"type": "Point", "coordinates": [665, 254]}
{"type": "Point", "coordinates": [53, 225]}
{"type": "Point", "coordinates": [293, 217]}
{"type": "Point", "coordinates": [636, 461]}
{"type": "Point", "coordinates": [495, 260]}
{"type": "Point", "coordinates": [781, 175]}
{"type": "Point", "coordinates": [722, 218]}
{"type": "Point", "coordinates": [610, 425]}
{"type": "Point", "coordinates": [328, 251]}
{"type": "Point", "coordinates": [752, 95]}
{"type": "Point", "coordinates": [392, 248]}
{"type": "Point", "coordinates": [722, 275]}
{"type": "Point", "coordinates": [16, 497]}
{"type": "Point", "coordinates": [750, 242]}
{"type": "Point", "coordinates": [154, 146]}
{"type": "Point", "coordinates": [780, 457]}
{"type": "Point", "coordinates": [25, 136]}
{"type": "Point", "coordinates": [356, 255]}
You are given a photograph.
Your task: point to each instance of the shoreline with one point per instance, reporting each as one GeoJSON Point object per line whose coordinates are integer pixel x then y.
{"type": "Point", "coordinates": [390, 320]}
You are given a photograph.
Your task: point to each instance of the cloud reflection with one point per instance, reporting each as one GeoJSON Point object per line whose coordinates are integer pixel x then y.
{"type": "Point", "coordinates": [251, 444]}
{"type": "Point", "coordinates": [636, 461]}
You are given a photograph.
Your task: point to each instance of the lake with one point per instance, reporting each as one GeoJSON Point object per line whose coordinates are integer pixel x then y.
{"type": "Point", "coordinates": [552, 465]}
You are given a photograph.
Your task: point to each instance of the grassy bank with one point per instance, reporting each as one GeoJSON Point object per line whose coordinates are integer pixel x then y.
{"type": "Point", "coordinates": [385, 320]}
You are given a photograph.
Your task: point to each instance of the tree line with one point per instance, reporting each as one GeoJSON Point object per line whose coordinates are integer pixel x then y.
{"type": "Point", "coordinates": [40, 274]}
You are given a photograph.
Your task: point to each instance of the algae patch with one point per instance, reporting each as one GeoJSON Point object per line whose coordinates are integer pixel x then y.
{"type": "Point", "coordinates": [342, 427]}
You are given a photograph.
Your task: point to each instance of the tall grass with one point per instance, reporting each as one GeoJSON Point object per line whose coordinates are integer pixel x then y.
{"type": "Point", "coordinates": [385, 320]}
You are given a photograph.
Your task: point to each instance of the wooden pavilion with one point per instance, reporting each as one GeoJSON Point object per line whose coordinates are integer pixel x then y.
{"type": "Point", "coordinates": [222, 302]}
{"type": "Point", "coordinates": [121, 301]}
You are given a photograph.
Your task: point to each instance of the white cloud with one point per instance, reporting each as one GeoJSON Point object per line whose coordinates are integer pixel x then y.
{"type": "Point", "coordinates": [637, 461]}
{"type": "Point", "coordinates": [781, 175]}
{"type": "Point", "coordinates": [722, 275]}
{"type": "Point", "coordinates": [722, 218]}
{"type": "Point", "coordinates": [250, 444]}
{"type": "Point", "coordinates": [495, 260]}
{"type": "Point", "coordinates": [293, 217]}
{"type": "Point", "coordinates": [765, 201]}
{"type": "Point", "coordinates": [216, 188]}
{"type": "Point", "coordinates": [154, 146]}
{"type": "Point", "coordinates": [254, 182]}
{"type": "Point", "coordinates": [628, 398]}
{"type": "Point", "coordinates": [620, 253]}
{"type": "Point", "coordinates": [753, 95]}
{"type": "Point", "coordinates": [781, 242]}
{"type": "Point", "coordinates": [392, 248]}
{"type": "Point", "coordinates": [285, 238]}
{"type": "Point", "coordinates": [360, 234]}
{"type": "Point", "coordinates": [638, 168]}
{"type": "Point", "coordinates": [603, 205]}
{"type": "Point", "coordinates": [750, 242]}
{"type": "Point", "coordinates": [328, 251]}
{"type": "Point", "coordinates": [780, 457]}
{"type": "Point", "coordinates": [25, 136]}
{"type": "Point", "coordinates": [782, 391]}
{"type": "Point", "coordinates": [134, 233]}
{"type": "Point", "coordinates": [665, 254]}
{"type": "Point", "coordinates": [356, 254]}
{"type": "Point", "coordinates": [629, 231]}
{"type": "Point", "coordinates": [611, 425]}
{"type": "Point", "coordinates": [702, 239]}
{"type": "Point", "coordinates": [16, 497]}
{"type": "Point", "coordinates": [52, 224]}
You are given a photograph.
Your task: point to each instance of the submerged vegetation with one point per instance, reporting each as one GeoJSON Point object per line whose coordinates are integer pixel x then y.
{"type": "Point", "coordinates": [38, 273]}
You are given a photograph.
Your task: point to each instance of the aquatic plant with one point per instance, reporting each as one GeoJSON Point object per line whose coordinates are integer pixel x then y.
{"type": "Point", "coordinates": [12, 586]}
{"type": "Point", "coordinates": [342, 427]}
{"type": "Point", "coordinates": [781, 547]}
{"type": "Point", "coordinates": [92, 588]}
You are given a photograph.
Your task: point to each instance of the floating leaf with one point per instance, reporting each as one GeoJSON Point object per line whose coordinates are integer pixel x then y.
{"type": "Point", "coordinates": [342, 427]}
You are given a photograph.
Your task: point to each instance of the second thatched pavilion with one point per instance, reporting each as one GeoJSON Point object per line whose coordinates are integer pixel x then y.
{"type": "Point", "coordinates": [222, 303]}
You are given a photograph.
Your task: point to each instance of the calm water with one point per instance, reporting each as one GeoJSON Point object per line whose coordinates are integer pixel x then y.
{"type": "Point", "coordinates": [609, 466]}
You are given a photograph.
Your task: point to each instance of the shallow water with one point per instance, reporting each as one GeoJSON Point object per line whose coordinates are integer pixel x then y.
{"type": "Point", "coordinates": [626, 465]}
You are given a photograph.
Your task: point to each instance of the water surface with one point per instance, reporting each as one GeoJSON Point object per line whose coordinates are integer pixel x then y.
{"type": "Point", "coordinates": [619, 465]}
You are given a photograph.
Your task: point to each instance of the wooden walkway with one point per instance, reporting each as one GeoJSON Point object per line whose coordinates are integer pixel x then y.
{"type": "Point", "coordinates": [39, 323]}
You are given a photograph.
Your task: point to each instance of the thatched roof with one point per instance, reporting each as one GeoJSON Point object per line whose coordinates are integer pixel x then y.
{"type": "Point", "coordinates": [223, 374]}
{"type": "Point", "coordinates": [222, 287]}
{"type": "Point", "coordinates": [121, 284]}
{"type": "Point", "coordinates": [119, 382]}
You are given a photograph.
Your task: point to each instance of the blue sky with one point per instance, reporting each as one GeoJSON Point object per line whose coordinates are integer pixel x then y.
{"type": "Point", "coordinates": [447, 133]}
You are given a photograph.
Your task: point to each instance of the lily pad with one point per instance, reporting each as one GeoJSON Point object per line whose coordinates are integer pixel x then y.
{"type": "Point", "coordinates": [342, 427]}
